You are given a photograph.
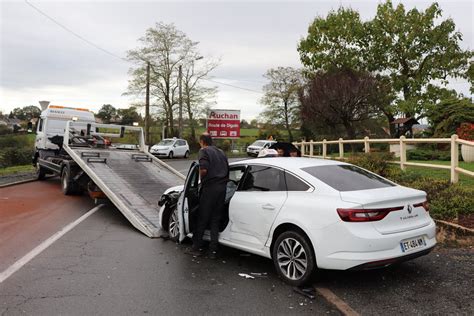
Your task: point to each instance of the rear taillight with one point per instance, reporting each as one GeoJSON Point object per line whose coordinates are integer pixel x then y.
{"type": "Point", "coordinates": [424, 204]}
{"type": "Point", "coordinates": [365, 215]}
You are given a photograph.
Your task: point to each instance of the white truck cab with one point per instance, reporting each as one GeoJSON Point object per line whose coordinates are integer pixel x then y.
{"type": "Point", "coordinates": [52, 123]}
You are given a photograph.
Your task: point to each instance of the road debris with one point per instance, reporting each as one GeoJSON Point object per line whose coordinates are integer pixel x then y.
{"type": "Point", "coordinates": [308, 292]}
{"type": "Point", "coordinates": [247, 276]}
{"type": "Point", "coordinates": [259, 274]}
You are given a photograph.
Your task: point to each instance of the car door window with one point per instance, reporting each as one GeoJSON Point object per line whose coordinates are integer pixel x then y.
{"type": "Point", "coordinates": [236, 173]}
{"type": "Point", "coordinates": [264, 178]}
{"type": "Point", "coordinates": [295, 184]}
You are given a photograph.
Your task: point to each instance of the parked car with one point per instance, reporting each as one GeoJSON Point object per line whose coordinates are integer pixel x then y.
{"type": "Point", "coordinates": [310, 214]}
{"type": "Point", "coordinates": [171, 147]}
{"type": "Point", "coordinates": [258, 145]}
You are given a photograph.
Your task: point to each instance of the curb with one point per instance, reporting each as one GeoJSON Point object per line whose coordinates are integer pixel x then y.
{"type": "Point", "coordinates": [455, 228]}
{"type": "Point", "coordinates": [15, 183]}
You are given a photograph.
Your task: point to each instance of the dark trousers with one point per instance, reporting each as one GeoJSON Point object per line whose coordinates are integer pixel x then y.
{"type": "Point", "coordinates": [211, 207]}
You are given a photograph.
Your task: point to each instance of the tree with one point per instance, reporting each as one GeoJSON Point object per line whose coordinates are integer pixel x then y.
{"type": "Point", "coordinates": [281, 97]}
{"type": "Point", "coordinates": [164, 48]}
{"type": "Point", "coordinates": [26, 113]}
{"type": "Point", "coordinates": [107, 113]}
{"type": "Point", "coordinates": [196, 97]}
{"type": "Point", "coordinates": [129, 116]}
{"type": "Point", "coordinates": [449, 114]}
{"type": "Point", "coordinates": [340, 97]}
{"type": "Point", "coordinates": [411, 49]}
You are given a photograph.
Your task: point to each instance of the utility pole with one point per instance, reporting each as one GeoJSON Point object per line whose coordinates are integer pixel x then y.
{"type": "Point", "coordinates": [180, 84]}
{"type": "Point", "coordinates": [147, 104]}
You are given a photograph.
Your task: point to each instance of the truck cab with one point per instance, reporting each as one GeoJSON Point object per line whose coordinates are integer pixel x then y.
{"type": "Point", "coordinates": [53, 121]}
{"type": "Point", "coordinates": [48, 157]}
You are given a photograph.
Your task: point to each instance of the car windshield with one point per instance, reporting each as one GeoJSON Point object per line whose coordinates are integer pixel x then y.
{"type": "Point", "coordinates": [347, 177]}
{"type": "Point", "coordinates": [259, 143]}
{"type": "Point", "coordinates": [166, 142]}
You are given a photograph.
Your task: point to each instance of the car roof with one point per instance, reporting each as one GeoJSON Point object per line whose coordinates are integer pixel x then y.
{"type": "Point", "coordinates": [289, 163]}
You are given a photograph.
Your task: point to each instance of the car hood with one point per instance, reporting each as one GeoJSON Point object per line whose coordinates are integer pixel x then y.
{"type": "Point", "coordinates": [178, 188]}
{"type": "Point", "coordinates": [160, 147]}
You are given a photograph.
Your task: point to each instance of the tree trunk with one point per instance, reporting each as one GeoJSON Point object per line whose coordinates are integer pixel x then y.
{"type": "Point", "coordinates": [191, 120]}
{"type": "Point", "coordinates": [287, 123]}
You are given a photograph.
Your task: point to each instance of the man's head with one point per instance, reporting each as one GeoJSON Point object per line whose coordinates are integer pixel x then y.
{"type": "Point", "coordinates": [205, 140]}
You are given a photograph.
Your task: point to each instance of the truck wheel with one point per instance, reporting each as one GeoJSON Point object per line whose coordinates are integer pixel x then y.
{"type": "Point", "coordinates": [68, 185]}
{"type": "Point", "coordinates": [40, 171]}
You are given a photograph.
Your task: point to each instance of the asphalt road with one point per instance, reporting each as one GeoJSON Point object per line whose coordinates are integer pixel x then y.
{"type": "Point", "coordinates": [104, 266]}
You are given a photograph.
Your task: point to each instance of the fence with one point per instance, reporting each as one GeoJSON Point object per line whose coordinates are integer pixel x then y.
{"type": "Point", "coordinates": [307, 150]}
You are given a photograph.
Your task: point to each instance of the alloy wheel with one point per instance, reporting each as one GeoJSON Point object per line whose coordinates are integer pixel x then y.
{"type": "Point", "coordinates": [292, 258]}
{"type": "Point", "coordinates": [173, 225]}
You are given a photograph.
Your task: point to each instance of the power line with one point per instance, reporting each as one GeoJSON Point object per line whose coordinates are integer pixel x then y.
{"type": "Point", "coordinates": [116, 56]}
{"type": "Point", "coordinates": [74, 33]}
{"type": "Point", "coordinates": [231, 85]}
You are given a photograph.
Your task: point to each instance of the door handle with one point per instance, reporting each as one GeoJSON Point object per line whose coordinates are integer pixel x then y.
{"type": "Point", "coordinates": [268, 207]}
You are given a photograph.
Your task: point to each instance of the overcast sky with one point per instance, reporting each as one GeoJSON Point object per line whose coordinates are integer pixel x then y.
{"type": "Point", "coordinates": [39, 60]}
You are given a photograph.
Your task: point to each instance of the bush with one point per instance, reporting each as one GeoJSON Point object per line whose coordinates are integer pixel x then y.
{"type": "Point", "coordinates": [375, 162]}
{"type": "Point", "coordinates": [452, 202]}
{"type": "Point", "coordinates": [15, 156]}
{"type": "Point", "coordinates": [427, 154]}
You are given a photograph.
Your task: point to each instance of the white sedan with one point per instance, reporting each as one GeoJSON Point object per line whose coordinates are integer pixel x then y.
{"type": "Point", "coordinates": [309, 214]}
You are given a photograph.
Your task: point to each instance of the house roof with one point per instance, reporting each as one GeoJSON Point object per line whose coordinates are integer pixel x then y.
{"type": "Point", "coordinates": [404, 120]}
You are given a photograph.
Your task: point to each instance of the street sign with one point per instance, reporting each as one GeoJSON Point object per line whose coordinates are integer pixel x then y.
{"type": "Point", "coordinates": [223, 123]}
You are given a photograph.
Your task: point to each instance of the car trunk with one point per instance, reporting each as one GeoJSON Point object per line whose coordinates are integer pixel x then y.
{"type": "Point", "coordinates": [408, 218]}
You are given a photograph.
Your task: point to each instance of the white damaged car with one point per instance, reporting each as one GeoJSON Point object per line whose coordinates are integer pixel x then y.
{"type": "Point", "coordinates": [310, 214]}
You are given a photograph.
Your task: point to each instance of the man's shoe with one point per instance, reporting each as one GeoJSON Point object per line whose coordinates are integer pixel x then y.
{"type": "Point", "coordinates": [194, 252]}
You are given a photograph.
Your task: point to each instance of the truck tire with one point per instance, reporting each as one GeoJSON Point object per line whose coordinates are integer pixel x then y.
{"type": "Point", "coordinates": [68, 185]}
{"type": "Point", "coordinates": [40, 171]}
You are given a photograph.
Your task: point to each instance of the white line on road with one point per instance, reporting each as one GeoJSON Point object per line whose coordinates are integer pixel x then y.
{"type": "Point", "coordinates": [45, 244]}
{"type": "Point", "coordinates": [336, 301]}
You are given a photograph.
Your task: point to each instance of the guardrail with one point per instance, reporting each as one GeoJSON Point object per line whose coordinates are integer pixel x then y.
{"type": "Point", "coordinates": [307, 150]}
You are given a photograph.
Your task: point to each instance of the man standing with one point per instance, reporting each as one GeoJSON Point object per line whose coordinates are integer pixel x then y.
{"type": "Point", "coordinates": [214, 174]}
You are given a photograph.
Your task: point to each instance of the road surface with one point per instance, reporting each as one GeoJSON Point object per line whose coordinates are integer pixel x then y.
{"type": "Point", "coordinates": [104, 266]}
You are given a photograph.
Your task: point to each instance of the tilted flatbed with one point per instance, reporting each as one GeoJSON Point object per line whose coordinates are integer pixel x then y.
{"type": "Point", "coordinates": [133, 180]}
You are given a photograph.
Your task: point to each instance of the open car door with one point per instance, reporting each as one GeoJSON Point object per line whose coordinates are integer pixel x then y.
{"type": "Point", "coordinates": [188, 202]}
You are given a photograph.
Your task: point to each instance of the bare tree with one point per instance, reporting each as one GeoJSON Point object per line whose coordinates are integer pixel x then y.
{"type": "Point", "coordinates": [164, 47]}
{"type": "Point", "coordinates": [196, 96]}
{"type": "Point", "coordinates": [341, 98]}
{"type": "Point", "coordinates": [281, 97]}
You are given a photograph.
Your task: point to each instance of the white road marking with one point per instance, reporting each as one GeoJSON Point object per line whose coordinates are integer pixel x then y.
{"type": "Point", "coordinates": [336, 301]}
{"type": "Point", "coordinates": [45, 244]}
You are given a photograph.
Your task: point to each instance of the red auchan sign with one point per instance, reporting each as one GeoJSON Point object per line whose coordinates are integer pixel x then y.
{"type": "Point", "coordinates": [223, 123]}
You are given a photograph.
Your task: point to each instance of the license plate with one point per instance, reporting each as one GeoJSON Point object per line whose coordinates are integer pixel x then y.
{"type": "Point", "coordinates": [412, 244]}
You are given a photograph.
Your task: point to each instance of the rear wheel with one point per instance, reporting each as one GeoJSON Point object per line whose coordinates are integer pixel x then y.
{"type": "Point", "coordinates": [68, 185]}
{"type": "Point", "coordinates": [186, 154]}
{"type": "Point", "coordinates": [293, 258]}
{"type": "Point", "coordinates": [173, 225]}
{"type": "Point", "coordinates": [170, 155]}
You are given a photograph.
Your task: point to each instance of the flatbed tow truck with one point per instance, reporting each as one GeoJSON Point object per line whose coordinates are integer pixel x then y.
{"type": "Point", "coordinates": [84, 155]}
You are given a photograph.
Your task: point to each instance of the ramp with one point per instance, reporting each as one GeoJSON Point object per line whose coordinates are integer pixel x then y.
{"type": "Point", "coordinates": [133, 180]}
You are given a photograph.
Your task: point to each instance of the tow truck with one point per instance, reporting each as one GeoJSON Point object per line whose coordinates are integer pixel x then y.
{"type": "Point", "coordinates": [90, 157]}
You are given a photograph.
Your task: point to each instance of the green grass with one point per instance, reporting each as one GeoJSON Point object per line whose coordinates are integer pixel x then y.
{"type": "Point", "coordinates": [441, 175]}
{"type": "Point", "coordinates": [465, 165]}
{"type": "Point", "coordinates": [16, 169]}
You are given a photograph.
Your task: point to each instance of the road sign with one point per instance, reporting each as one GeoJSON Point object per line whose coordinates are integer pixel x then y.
{"type": "Point", "coordinates": [223, 123]}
